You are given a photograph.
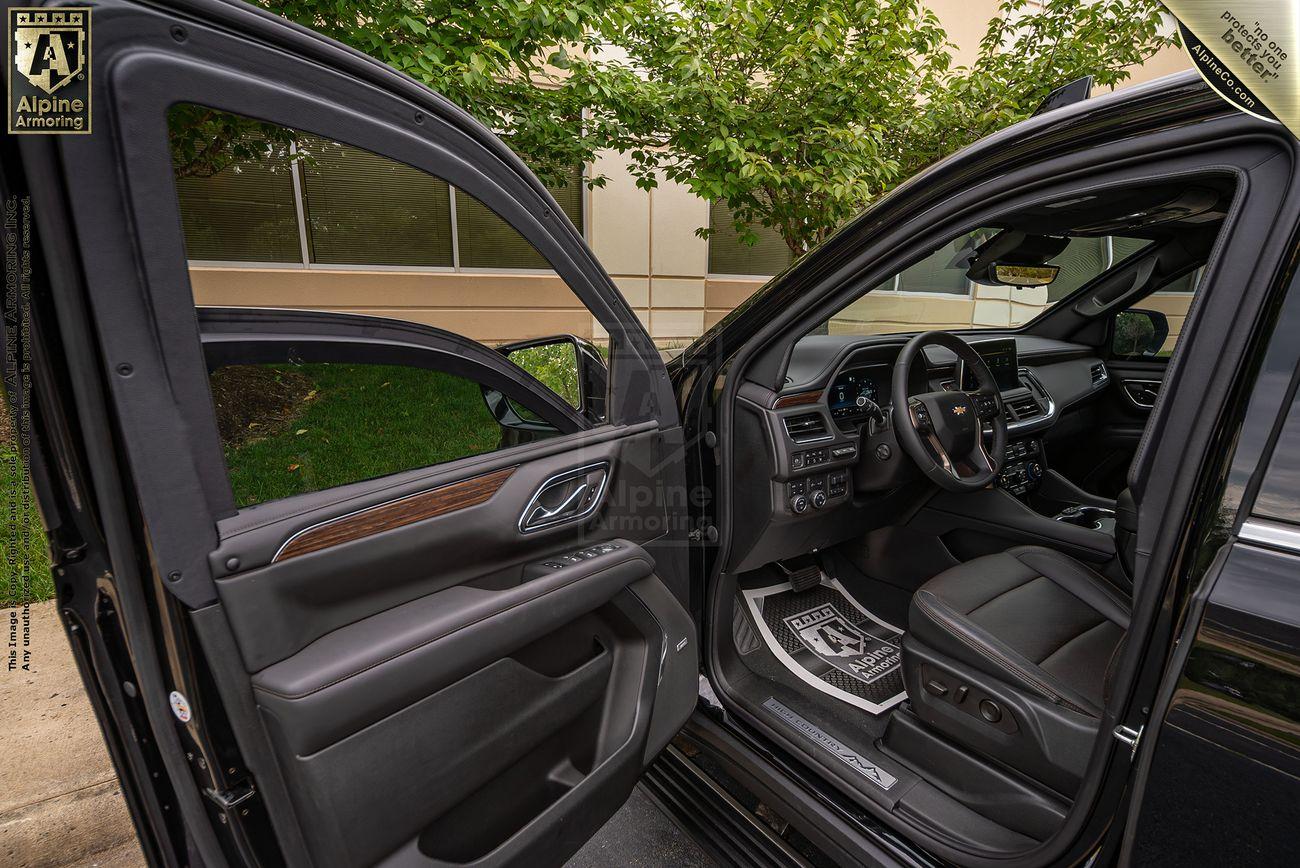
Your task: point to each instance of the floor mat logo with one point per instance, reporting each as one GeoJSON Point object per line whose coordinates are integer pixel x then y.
{"type": "Point", "coordinates": [835, 639]}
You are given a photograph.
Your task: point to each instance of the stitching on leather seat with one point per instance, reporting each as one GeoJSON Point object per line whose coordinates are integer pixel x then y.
{"type": "Point", "coordinates": [931, 607]}
{"type": "Point", "coordinates": [1026, 583]}
{"type": "Point", "coordinates": [1096, 580]}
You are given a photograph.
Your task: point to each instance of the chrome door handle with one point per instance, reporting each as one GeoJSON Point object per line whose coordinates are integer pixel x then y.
{"type": "Point", "coordinates": [570, 496]}
{"type": "Point", "coordinates": [541, 513]}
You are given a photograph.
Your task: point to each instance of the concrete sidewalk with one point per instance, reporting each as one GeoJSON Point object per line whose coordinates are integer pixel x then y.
{"type": "Point", "coordinates": [60, 803]}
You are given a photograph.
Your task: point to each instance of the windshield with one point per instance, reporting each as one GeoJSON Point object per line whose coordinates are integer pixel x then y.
{"type": "Point", "coordinates": [936, 294]}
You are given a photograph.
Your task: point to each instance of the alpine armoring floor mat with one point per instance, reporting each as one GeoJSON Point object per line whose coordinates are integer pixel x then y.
{"type": "Point", "coordinates": [831, 642]}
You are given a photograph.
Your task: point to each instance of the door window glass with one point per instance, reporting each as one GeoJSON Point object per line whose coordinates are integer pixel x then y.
{"type": "Point", "coordinates": [1151, 328]}
{"type": "Point", "coordinates": [291, 429]}
{"type": "Point", "coordinates": [275, 218]}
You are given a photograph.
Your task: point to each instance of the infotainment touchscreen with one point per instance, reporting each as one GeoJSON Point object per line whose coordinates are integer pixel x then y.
{"type": "Point", "coordinates": [1000, 355]}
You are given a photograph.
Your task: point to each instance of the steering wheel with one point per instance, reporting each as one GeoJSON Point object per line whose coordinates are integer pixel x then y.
{"type": "Point", "coordinates": [943, 432]}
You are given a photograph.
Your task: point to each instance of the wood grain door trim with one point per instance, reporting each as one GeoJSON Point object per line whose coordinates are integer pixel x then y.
{"type": "Point", "coordinates": [394, 514]}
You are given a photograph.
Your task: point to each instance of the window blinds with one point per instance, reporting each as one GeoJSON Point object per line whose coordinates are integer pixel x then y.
{"type": "Point", "coordinates": [244, 213]}
{"type": "Point", "coordinates": [729, 255]}
{"type": "Point", "coordinates": [364, 209]}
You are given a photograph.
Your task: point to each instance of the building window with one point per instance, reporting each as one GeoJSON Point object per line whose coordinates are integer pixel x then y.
{"type": "Point", "coordinates": [243, 213]}
{"type": "Point", "coordinates": [358, 209]}
{"type": "Point", "coordinates": [1080, 261]}
{"type": "Point", "coordinates": [942, 272]}
{"type": "Point", "coordinates": [487, 241]}
{"type": "Point", "coordinates": [767, 256]}
{"type": "Point", "coordinates": [363, 209]}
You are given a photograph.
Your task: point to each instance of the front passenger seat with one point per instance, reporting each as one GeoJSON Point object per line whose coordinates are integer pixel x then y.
{"type": "Point", "coordinates": [1010, 654]}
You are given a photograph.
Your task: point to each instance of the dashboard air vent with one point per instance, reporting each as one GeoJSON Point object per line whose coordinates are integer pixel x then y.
{"type": "Point", "coordinates": [805, 427]}
{"type": "Point", "coordinates": [1022, 408]}
{"type": "Point", "coordinates": [1099, 374]}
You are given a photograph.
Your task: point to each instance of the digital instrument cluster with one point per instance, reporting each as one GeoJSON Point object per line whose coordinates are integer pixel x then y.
{"type": "Point", "coordinates": [852, 393]}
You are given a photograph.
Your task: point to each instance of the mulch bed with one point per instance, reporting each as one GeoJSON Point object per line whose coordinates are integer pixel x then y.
{"type": "Point", "coordinates": [253, 401]}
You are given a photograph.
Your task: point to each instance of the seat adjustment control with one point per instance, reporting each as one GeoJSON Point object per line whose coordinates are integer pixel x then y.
{"type": "Point", "coordinates": [990, 711]}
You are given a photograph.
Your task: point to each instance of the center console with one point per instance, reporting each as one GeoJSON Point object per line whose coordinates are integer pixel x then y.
{"type": "Point", "coordinates": [1025, 475]}
{"type": "Point", "coordinates": [1023, 466]}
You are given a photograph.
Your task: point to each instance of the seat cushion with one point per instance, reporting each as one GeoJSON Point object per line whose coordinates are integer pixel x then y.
{"type": "Point", "coordinates": [1030, 616]}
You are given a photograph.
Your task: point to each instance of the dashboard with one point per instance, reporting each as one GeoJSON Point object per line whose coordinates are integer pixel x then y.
{"type": "Point", "coordinates": [828, 462]}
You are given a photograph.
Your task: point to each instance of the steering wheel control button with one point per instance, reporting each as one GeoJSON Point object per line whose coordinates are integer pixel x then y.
{"type": "Point", "coordinates": [985, 405]}
{"type": "Point", "coordinates": [990, 711]}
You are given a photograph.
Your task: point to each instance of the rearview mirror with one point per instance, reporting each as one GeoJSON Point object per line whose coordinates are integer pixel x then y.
{"type": "Point", "coordinates": [1139, 333]}
{"type": "Point", "coordinates": [1006, 274]}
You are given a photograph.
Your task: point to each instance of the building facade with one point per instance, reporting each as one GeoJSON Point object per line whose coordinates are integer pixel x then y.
{"type": "Point", "coordinates": [351, 232]}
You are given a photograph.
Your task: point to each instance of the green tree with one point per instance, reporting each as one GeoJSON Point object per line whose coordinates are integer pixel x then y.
{"type": "Point", "coordinates": [798, 113]}
{"type": "Point", "coordinates": [519, 66]}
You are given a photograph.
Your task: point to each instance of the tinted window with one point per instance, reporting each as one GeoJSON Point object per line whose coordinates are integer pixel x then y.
{"type": "Point", "coordinates": [290, 429]}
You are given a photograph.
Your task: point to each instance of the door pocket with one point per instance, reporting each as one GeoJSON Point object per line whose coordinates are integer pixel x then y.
{"type": "Point", "coordinates": [482, 757]}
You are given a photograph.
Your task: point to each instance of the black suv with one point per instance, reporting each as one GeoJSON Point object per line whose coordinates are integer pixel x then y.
{"type": "Point", "coordinates": [1022, 593]}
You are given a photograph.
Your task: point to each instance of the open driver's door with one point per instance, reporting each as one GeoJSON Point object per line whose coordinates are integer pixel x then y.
{"type": "Point", "coordinates": [464, 663]}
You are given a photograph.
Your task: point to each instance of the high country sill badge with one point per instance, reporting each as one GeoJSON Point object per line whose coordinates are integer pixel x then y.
{"type": "Point", "coordinates": [49, 70]}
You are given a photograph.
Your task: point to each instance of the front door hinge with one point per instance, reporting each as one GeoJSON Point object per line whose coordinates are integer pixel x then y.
{"type": "Point", "coordinates": [1129, 736]}
{"type": "Point", "coordinates": [231, 797]}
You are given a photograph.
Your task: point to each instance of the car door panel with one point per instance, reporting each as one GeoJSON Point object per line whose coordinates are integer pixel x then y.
{"type": "Point", "coordinates": [1096, 453]}
{"type": "Point", "coordinates": [413, 684]}
{"type": "Point", "coordinates": [279, 608]}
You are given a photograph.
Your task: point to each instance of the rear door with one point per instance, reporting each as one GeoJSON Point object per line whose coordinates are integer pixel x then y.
{"type": "Point", "coordinates": [442, 646]}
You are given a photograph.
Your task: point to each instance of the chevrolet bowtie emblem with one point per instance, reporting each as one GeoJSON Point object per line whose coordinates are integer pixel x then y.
{"type": "Point", "coordinates": [959, 411]}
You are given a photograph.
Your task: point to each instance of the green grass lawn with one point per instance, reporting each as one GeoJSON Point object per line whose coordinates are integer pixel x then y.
{"type": "Point", "coordinates": [24, 559]}
{"type": "Point", "coordinates": [289, 430]}
{"type": "Point", "coordinates": [359, 422]}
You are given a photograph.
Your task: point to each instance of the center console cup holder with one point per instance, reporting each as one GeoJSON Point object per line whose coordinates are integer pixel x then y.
{"type": "Point", "coordinates": [1092, 517]}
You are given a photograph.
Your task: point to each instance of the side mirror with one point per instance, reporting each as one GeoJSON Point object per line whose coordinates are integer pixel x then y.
{"type": "Point", "coordinates": [1139, 333]}
{"type": "Point", "coordinates": [569, 366]}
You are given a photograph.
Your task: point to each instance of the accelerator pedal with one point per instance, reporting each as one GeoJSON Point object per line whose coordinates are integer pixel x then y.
{"type": "Point", "coordinates": [804, 572]}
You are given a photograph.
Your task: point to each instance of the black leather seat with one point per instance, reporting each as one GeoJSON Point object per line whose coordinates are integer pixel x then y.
{"type": "Point", "coordinates": [1030, 634]}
